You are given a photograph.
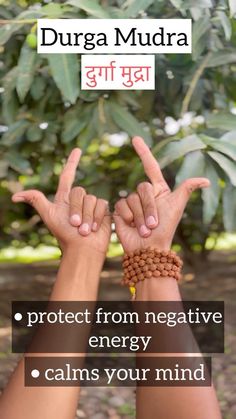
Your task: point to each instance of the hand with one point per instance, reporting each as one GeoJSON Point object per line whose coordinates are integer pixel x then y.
{"type": "Point", "coordinates": [74, 218]}
{"type": "Point", "coordinates": [150, 216]}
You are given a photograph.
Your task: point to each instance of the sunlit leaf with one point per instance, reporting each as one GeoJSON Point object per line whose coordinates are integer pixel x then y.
{"type": "Point", "coordinates": [227, 165]}
{"type": "Point", "coordinates": [229, 206]}
{"type": "Point", "coordinates": [65, 72]}
{"type": "Point", "coordinates": [180, 148]}
{"type": "Point", "coordinates": [26, 67]}
{"type": "Point", "coordinates": [211, 195]}
{"type": "Point", "coordinates": [193, 166]}
{"type": "Point", "coordinates": [91, 7]}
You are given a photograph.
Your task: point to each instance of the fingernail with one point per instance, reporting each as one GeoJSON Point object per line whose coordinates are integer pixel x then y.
{"type": "Point", "coordinates": [94, 226]}
{"type": "Point", "coordinates": [144, 231]}
{"type": "Point", "coordinates": [151, 221]}
{"type": "Point", "coordinates": [18, 199]}
{"type": "Point", "coordinates": [75, 220]}
{"type": "Point", "coordinates": [84, 228]}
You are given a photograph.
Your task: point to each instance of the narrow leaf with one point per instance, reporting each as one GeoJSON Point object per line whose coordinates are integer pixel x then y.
{"type": "Point", "coordinates": [226, 24]}
{"type": "Point", "coordinates": [193, 166]}
{"type": "Point", "coordinates": [226, 165]}
{"type": "Point", "coordinates": [65, 72]}
{"type": "Point", "coordinates": [229, 207]}
{"type": "Point", "coordinates": [210, 196]}
{"type": "Point", "coordinates": [232, 6]}
{"type": "Point", "coordinates": [26, 67]}
{"type": "Point", "coordinates": [221, 58]}
{"type": "Point", "coordinates": [127, 122]}
{"type": "Point", "coordinates": [136, 6]}
{"type": "Point", "coordinates": [92, 7]}
{"type": "Point", "coordinates": [18, 163]}
{"type": "Point", "coordinates": [229, 137]}
{"type": "Point", "coordinates": [180, 148]}
{"type": "Point", "coordinates": [222, 120]}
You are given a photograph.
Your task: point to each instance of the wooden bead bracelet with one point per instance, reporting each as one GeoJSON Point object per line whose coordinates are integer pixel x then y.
{"type": "Point", "coordinates": [148, 263]}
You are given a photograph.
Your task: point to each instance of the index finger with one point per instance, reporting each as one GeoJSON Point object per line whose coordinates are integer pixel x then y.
{"type": "Point", "coordinates": [67, 176]}
{"type": "Point", "coordinates": [150, 165]}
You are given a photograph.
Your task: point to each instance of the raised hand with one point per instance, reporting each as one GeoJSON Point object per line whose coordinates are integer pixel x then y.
{"type": "Point", "coordinates": [150, 216]}
{"type": "Point", "coordinates": [74, 218]}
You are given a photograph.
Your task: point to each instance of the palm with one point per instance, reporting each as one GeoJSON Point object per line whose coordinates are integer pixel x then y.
{"type": "Point", "coordinates": [56, 215]}
{"type": "Point", "coordinates": [57, 221]}
{"type": "Point", "coordinates": [170, 205]}
{"type": "Point", "coordinates": [169, 215]}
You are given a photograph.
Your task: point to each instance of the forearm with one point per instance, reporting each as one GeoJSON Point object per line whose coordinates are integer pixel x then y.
{"type": "Point", "coordinates": [77, 280]}
{"type": "Point", "coordinates": [166, 402]}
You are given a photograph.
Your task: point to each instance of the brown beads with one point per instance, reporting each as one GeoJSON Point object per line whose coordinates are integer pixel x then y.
{"type": "Point", "coordinates": [150, 263]}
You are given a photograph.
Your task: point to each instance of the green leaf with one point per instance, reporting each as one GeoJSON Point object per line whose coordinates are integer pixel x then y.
{"type": "Point", "coordinates": [127, 122]}
{"type": "Point", "coordinates": [92, 7]}
{"type": "Point", "coordinates": [221, 57]}
{"type": "Point", "coordinates": [229, 137]}
{"type": "Point", "coordinates": [18, 163]}
{"type": "Point", "coordinates": [200, 27]}
{"type": "Point", "coordinates": [205, 4]}
{"type": "Point", "coordinates": [193, 166]}
{"type": "Point", "coordinates": [14, 132]}
{"type": "Point", "coordinates": [210, 196]}
{"type": "Point", "coordinates": [226, 24]}
{"type": "Point", "coordinates": [225, 148]}
{"type": "Point", "coordinates": [3, 168]}
{"type": "Point", "coordinates": [229, 207]}
{"type": "Point", "coordinates": [74, 123]}
{"type": "Point", "coordinates": [26, 67]}
{"type": "Point", "coordinates": [10, 102]}
{"type": "Point", "coordinates": [34, 133]}
{"type": "Point", "coordinates": [222, 120]}
{"type": "Point", "coordinates": [232, 6]}
{"type": "Point", "coordinates": [65, 72]}
{"type": "Point", "coordinates": [136, 6]}
{"type": "Point", "coordinates": [226, 165]}
{"type": "Point", "coordinates": [6, 31]}
{"type": "Point", "coordinates": [179, 148]}
{"type": "Point", "coordinates": [177, 4]}
{"type": "Point", "coordinates": [52, 10]}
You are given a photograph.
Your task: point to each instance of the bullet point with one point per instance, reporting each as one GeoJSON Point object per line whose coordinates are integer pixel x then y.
{"type": "Point", "coordinates": [35, 373]}
{"type": "Point", "coordinates": [18, 317]}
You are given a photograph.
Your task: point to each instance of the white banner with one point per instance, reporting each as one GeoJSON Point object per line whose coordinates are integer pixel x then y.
{"type": "Point", "coordinates": [115, 36]}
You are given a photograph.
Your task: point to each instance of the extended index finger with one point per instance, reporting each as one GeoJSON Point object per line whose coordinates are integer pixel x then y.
{"type": "Point", "coordinates": [150, 165]}
{"type": "Point", "coordinates": [67, 176]}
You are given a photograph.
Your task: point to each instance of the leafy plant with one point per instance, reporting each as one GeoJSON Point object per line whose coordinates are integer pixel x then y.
{"type": "Point", "coordinates": [44, 114]}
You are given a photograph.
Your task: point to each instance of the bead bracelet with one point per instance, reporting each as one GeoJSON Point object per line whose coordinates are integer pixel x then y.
{"type": "Point", "coordinates": [150, 262]}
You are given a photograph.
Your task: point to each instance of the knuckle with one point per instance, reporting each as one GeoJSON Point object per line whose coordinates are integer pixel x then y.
{"type": "Point", "coordinates": [188, 186]}
{"type": "Point", "coordinates": [77, 191]}
{"type": "Point", "coordinates": [144, 187]}
{"type": "Point", "coordinates": [128, 217]}
{"type": "Point", "coordinates": [91, 198]}
{"type": "Point", "coordinates": [132, 198]}
{"type": "Point", "coordinates": [119, 204]}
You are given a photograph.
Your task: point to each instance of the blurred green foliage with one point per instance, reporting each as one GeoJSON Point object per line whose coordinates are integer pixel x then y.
{"type": "Point", "coordinates": [189, 120]}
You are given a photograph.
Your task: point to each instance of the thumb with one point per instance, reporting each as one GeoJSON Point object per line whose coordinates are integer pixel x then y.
{"type": "Point", "coordinates": [34, 198]}
{"type": "Point", "coordinates": [182, 194]}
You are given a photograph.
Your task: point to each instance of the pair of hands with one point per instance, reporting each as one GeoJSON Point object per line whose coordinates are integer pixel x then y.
{"type": "Point", "coordinates": [147, 217]}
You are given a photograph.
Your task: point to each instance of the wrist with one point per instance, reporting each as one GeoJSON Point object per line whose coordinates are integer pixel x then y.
{"type": "Point", "coordinates": [84, 251]}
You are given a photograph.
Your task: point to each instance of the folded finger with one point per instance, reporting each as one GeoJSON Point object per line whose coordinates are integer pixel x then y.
{"type": "Point", "coordinates": [76, 198]}
{"type": "Point", "coordinates": [146, 194]}
{"type": "Point", "coordinates": [89, 204]}
{"type": "Point", "coordinates": [123, 210]}
{"type": "Point", "coordinates": [100, 211]}
{"type": "Point", "coordinates": [135, 206]}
